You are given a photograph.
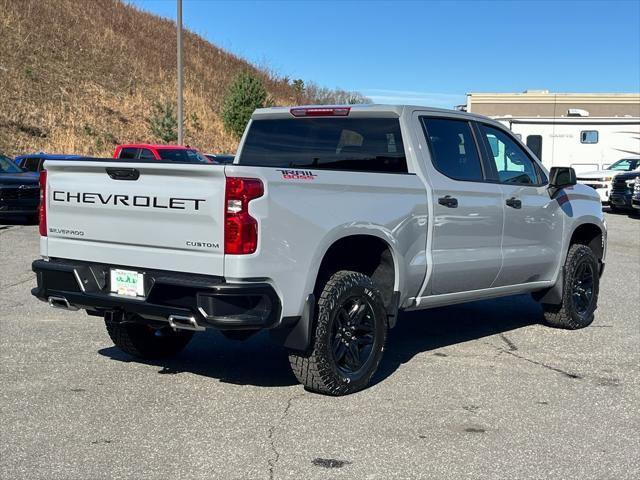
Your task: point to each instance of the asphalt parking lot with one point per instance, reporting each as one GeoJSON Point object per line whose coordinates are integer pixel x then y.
{"type": "Point", "coordinates": [479, 390]}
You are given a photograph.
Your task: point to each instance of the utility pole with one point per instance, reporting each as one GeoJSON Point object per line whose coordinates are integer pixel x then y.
{"type": "Point", "coordinates": [179, 113]}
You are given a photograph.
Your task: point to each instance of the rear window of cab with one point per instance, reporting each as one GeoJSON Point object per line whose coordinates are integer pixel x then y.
{"type": "Point", "coordinates": [351, 144]}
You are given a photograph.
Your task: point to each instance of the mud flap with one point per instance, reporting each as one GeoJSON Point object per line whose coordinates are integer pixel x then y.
{"type": "Point", "coordinates": [297, 335]}
{"type": "Point", "coordinates": [552, 295]}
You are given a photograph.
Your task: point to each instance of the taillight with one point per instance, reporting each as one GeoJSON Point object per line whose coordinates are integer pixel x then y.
{"type": "Point", "coordinates": [42, 208]}
{"type": "Point", "coordinates": [320, 111]}
{"type": "Point", "coordinates": [240, 228]}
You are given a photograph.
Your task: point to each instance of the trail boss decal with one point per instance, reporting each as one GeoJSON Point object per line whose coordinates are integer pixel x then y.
{"type": "Point", "coordinates": [297, 174]}
{"type": "Point", "coordinates": [176, 203]}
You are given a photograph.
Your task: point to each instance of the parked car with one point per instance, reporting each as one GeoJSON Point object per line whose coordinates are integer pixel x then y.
{"type": "Point", "coordinates": [33, 162]}
{"type": "Point", "coordinates": [622, 191]}
{"type": "Point", "coordinates": [331, 221]}
{"type": "Point", "coordinates": [220, 158]}
{"type": "Point", "coordinates": [635, 199]}
{"type": "Point", "coordinates": [601, 180]}
{"type": "Point", "coordinates": [145, 151]}
{"type": "Point", "coordinates": [19, 191]}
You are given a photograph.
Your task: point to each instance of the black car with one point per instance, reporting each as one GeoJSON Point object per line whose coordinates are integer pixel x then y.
{"type": "Point", "coordinates": [19, 191]}
{"type": "Point", "coordinates": [622, 190]}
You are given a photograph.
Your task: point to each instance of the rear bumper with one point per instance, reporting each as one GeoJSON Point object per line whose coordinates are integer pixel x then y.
{"type": "Point", "coordinates": [208, 300]}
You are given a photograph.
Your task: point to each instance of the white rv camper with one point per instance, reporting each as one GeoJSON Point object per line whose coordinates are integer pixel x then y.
{"type": "Point", "coordinates": [584, 143]}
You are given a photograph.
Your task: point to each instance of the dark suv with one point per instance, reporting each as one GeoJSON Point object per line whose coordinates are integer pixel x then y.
{"type": "Point", "coordinates": [19, 191]}
{"type": "Point", "coordinates": [622, 190]}
{"type": "Point", "coordinates": [34, 162]}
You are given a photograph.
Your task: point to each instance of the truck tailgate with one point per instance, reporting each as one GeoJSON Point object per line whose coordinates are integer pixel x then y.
{"type": "Point", "coordinates": [165, 216]}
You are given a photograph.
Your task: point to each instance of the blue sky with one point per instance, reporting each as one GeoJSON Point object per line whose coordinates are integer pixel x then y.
{"type": "Point", "coordinates": [428, 53]}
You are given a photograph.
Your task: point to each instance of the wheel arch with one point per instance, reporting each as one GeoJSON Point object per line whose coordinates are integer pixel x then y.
{"type": "Point", "coordinates": [591, 233]}
{"type": "Point", "coordinates": [364, 252]}
{"type": "Point", "coordinates": [298, 335]}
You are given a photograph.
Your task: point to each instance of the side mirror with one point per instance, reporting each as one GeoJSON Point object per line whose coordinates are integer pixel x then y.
{"type": "Point", "coordinates": [559, 178]}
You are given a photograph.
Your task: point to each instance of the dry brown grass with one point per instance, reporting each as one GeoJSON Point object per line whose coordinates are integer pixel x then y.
{"type": "Point", "coordinates": [81, 76]}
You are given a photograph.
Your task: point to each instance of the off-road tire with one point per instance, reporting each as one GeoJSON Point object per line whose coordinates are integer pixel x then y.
{"type": "Point", "coordinates": [566, 314]}
{"type": "Point", "coordinates": [142, 341]}
{"type": "Point", "coordinates": [317, 369]}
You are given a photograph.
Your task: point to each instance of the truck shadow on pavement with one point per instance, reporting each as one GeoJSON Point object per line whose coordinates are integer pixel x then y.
{"type": "Point", "coordinates": [433, 329]}
{"type": "Point", "coordinates": [260, 362]}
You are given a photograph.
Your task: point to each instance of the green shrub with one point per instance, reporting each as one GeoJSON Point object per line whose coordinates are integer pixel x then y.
{"type": "Point", "coordinates": [163, 122]}
{"type": "Point", "coordinates": [194, 122]}
{"type": "Point", "coordinates": [245, 94]}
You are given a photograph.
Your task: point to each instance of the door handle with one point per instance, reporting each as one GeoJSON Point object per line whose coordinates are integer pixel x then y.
{"type": "Point", "coordinates": [123, 173]}
{"type": "Point", "coordinates": [448, 201]}
{"type": "Point", "coordinates": [513, 202]}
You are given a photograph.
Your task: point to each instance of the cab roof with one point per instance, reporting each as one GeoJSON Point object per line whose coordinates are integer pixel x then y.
{"type": "Point", "coordinates": [364, 109]}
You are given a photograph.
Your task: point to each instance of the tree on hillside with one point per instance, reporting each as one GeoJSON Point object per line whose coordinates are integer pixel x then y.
{"type": "Point", "coordinates": [163, 122]}
{"type": "Point", "coordinates": [245, 94]}
{"type": "Point", "coordinates": [326, 96]}
{"type": "Point", "coordinates": [298, 87]}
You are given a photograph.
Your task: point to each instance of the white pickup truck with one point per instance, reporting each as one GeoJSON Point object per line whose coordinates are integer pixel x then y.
{"type": "Point", "coordinates": [329, 222]}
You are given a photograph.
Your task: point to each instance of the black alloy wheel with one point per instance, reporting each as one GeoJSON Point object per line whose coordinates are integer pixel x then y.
{"type": "Point", "coordinates": [582, 288]}
{"type": "Point", "coordinates": [353, 334]}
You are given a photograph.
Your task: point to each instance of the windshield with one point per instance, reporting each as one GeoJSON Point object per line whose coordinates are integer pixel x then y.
{"type": "Point", "coordinates": [7, 166]}
{"type": "Point", "coordinates": [625, 165]}
{"type": "Point", "coordinates": [182, 155]}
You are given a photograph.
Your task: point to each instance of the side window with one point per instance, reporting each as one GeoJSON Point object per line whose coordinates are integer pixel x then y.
{"type": "Point", "coordinates": [512, 163]}
{"type": "Point", "coordinates": [146, 154]}
{"type": "Point", "coordinates": [128, 153]}
{"type": "Point", "coordinates": [589, 136]}
{"type": "Point", "coordinates": [31, 164]}
{"type": "Point", "coordinates": [534, 142]}
{"type": "Point", "coordinates": [453, 149]}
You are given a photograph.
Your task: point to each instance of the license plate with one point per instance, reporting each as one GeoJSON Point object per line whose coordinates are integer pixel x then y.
{"type": "Point", "coordinates": [127, 283]}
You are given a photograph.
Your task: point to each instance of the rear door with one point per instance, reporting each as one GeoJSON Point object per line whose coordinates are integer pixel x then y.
{"type": "Point", "coordinates": [166, 216]}
{"type": "Point", "coordinates": [532, 239]}
{"type": "Point", "coordinates": [468, 215]}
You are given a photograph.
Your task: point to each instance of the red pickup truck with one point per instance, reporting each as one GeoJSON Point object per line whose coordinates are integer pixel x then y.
{"type": "Point", "coordinates": [145, 151]}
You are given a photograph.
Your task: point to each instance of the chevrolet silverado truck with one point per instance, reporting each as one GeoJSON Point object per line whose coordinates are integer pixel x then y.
{"type": "Point", "coordinates": [329, 222]}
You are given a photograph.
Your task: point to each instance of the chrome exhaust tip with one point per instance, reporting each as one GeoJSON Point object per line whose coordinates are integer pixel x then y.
{"type": "Point", "coordinates": [180, 322]}
{"type": "Point", "coordinates": [61, 302]}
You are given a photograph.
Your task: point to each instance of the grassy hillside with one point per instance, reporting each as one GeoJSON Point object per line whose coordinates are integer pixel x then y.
{"type": "Point", "coordinates": [82, 76]}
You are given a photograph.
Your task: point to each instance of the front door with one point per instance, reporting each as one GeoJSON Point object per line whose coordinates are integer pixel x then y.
{"type": "Point", "coordinates": [532, 239]}
{"type": "Point", "coordinates": [467, 211]}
